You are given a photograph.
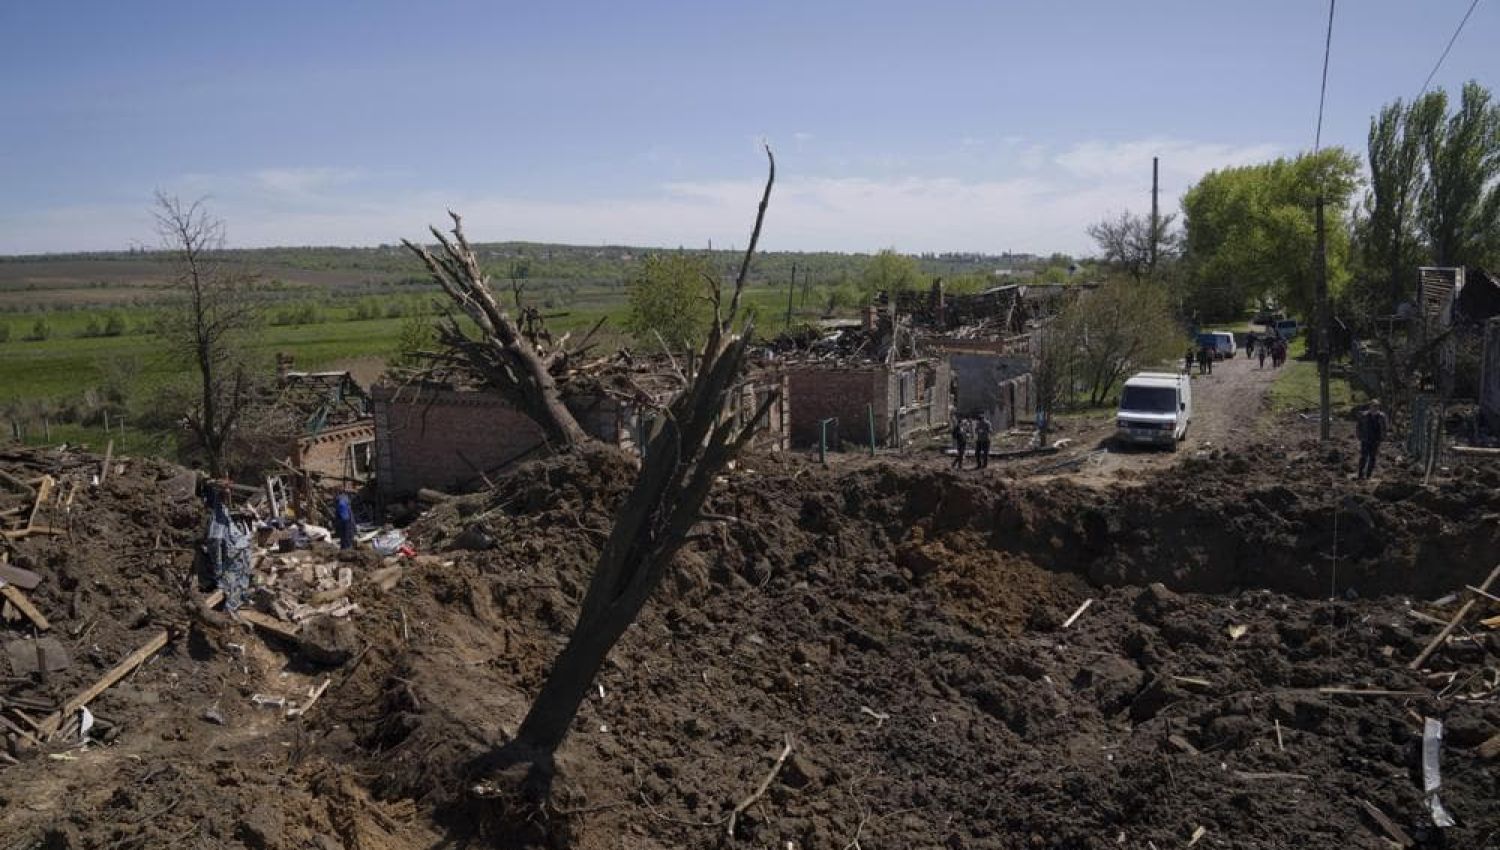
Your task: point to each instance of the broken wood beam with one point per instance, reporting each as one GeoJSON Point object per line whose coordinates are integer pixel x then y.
{"type": "Point", "coordinates": [43, 493]}
{"type": "Point", "coordinates": [1463, 611]}
{"type": "Point", "coordinates": [109, 454]}
{"type": "Point", "coordinates": [49, 726]}
{"type": "Point", "coordinates": [15, 597]}
{"type": "Point", "coordinates": [433, 497]}
{"type": "Point", "coordinates": [269, 624]}
{"type": "Point", "coordinates": [1395, 832]}
{"type": "Point", "coordinates": [1474, 451]}
{"type": "Point", "coordinates": [22, 578]}
{"type": "Point", "coordinates": [1368, 692]}
{"type": "Point", "coordinates": [1079, 612]}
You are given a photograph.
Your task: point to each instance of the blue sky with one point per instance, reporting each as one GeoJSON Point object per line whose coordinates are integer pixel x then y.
{"type": "Point", "coordinates": [984, 126]}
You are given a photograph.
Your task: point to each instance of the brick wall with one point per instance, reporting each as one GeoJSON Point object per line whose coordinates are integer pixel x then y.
{"type": "Point", "coordinates": [823, 392]}
{"type": "Point", "coordinates": [438, 438]}
{"type": "Point", "coordinates": [327, 453]}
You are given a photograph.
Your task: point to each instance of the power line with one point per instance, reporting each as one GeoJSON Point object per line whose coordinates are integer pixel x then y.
{"type": "Point", "coordinates": [1439, 64]}
{"type": "Point", "coordinates": [1323, 89]}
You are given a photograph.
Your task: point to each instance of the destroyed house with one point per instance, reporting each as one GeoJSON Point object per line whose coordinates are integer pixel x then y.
{"type": "Point", "coordinates": [335, 429]}
{"type": "Point", "coordinates": [991, 378]}
{"type": "Point", "coordinates": [450, 438]}
{"type": "Point", "coordinates": [898, 401]}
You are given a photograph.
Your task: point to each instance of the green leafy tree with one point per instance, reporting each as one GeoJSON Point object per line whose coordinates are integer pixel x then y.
{"type": "Point", "coordinates": [1114, 331]}
{"type": "Point", "coordinates": [667, 300]}
{"type": "Point", "coordinates": [41, 330]}
{"type": "Point", "coordinates": [417, 340]}
{"type": "Point", "coordinates": [1250, 234]}
{"type": "Point", "coordinates": [891, 272]}
{"type": "Point", "coordinates": [1388, 243]}
{"type": "Point", "coordinates": [1460, 203]}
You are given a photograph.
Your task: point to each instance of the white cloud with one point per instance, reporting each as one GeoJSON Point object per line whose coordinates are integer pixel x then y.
{"type": "Point", "coordinates": [1041, 201]}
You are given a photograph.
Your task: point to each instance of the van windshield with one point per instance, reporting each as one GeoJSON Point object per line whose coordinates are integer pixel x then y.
{"type": "Point", "coordinates": [1149, 399]}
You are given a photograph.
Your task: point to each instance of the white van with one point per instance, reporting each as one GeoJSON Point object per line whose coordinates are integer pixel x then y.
{"type": "Point", "coordinates": [1155, 409]}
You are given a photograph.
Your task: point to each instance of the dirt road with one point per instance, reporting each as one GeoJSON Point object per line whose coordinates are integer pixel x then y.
{"type": "Point", "coordinates": [1227, 405]}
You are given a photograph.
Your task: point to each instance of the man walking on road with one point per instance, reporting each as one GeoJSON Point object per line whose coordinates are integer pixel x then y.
{"type": "Point", "coordinates": [960, 441]}
{"type": "Point", "coordinates": [1370, 427]}
{"type": "Point", "coordinates": [981, 442]}
{"type": "Point", "coordinates": [1260, 353]}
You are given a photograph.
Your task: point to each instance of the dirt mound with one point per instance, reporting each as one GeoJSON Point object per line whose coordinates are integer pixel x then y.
{"type": "Point", "coordinates": [903, 628]}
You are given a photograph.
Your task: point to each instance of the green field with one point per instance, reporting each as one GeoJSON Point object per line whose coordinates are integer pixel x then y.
{"type": "Point", "coordinates": [1296, 388]}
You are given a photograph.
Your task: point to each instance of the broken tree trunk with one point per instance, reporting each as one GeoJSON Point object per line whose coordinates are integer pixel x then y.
{"type": "Point", "coordinates": [689, 447]}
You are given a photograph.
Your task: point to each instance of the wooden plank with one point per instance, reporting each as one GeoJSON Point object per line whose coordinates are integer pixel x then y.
{"type": "Point", "coordinates": [1491, 622]}
{"type": "Point", "coordinates": [1396, 833]}
{"type": "Point", "coordinates": [1453, 624]}
{"type": "Point", "coordinates": [1490, 749]}
{"type": "Point", "coordinates": [22, 578]}
{"type": "Point", "coordinates": [115, 674]}
{"type": "Point", "coordinates": [267, 623]}
{"type": "Point", "coordinates": [43, 493]}
{"type": "Point", "coordinates": [15, 597]}
{"type": "Point", "coordinates": [1079, 612]}
{"type": "Point", "coordinates": [1369, 692]}
{"type": "Point", "coordinates": [109, 454]}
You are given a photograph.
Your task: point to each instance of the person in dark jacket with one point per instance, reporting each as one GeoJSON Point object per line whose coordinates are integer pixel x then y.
{"type": "Point", "coordinates": [960, 441]}
{"type": "Point", "coordinates": [1188, 359]}
{"type": "Point", "coordinates": [1371, 428]}
{"type": "Point", "coordinates": [981, 442]}
{"type": "Point", "coordinates": [343, 514]}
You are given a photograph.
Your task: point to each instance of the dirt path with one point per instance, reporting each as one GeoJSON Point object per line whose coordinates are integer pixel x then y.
{"type": "Point", "coordinates": [1226, 407]}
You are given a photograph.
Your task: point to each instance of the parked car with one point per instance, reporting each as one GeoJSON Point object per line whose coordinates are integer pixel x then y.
{"type": "Point", "coordinates": [1221, 342]}
{"type": "Point", "coordinates": [1286, 328]}
{"type": "Point", "coordinates": [1155, 409]}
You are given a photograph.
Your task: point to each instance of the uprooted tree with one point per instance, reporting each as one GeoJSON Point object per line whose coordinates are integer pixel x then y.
{"type": "Point", "coordinates": [689, 446]}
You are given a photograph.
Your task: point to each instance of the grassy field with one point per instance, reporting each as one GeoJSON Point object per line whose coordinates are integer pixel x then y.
{"type": "Point", "coordinates": [69, 365]}
{"type": "Point", "coordinates": [1296, 388]}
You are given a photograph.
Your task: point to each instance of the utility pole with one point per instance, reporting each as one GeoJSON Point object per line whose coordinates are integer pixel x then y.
{"type": "Point", "coordinates": [790, 289]}
{"type": "Point", "coordinates": [1321, 260]}
{"type": "Point", "coordinates": [1155, 220]}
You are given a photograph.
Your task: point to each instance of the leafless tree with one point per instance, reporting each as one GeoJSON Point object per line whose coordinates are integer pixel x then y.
{"type": "Point", "coordinates": [211, 322]}
{"type": "Point", "coordinates": [689, 446]}
{"type": "Point", "coordinates": [1130, 244]}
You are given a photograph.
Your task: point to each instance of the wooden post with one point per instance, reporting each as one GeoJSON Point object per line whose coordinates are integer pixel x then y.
{"type": "Point", "coordinates": [790, 289]}
{"type": "Point", "coordinates": [1155, 215]}
{"type": "Point", "coordinates": [1324, 418]}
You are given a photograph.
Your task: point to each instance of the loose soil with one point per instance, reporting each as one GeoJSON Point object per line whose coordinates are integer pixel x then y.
{"type": "Point", "coordinates": [900, 624]}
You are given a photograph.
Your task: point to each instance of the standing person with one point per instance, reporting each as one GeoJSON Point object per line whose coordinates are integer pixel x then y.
{"type": "Point", "coordinates": [1260, 353]}
{"type": "Point", "coordinates": [982, 442]}
{"type": "Point", "coordinates": [1370, 428]}
{"type": "Point", "coordinates": [1280, 352]}
{"type": "Point", "coordinates": [1249, 346]}
{"type": "Point", "coordinates": [1187, 367]}
{"type": "Point", "coordinates": [960, 441]}
{"type": "Point", "coordinates": [343, 514]}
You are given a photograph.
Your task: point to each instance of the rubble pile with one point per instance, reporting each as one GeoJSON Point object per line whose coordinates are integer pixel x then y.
{"type": "Point", "coordinates": [916, 658]}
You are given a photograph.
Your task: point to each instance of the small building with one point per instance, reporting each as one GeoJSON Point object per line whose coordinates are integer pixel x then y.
{"type": "Point", "coordinates": [904, 399]}
{"type": "Point", "coordinates": [1489, 377]}
{"type": "Point", "coordinates": [991, 377]}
